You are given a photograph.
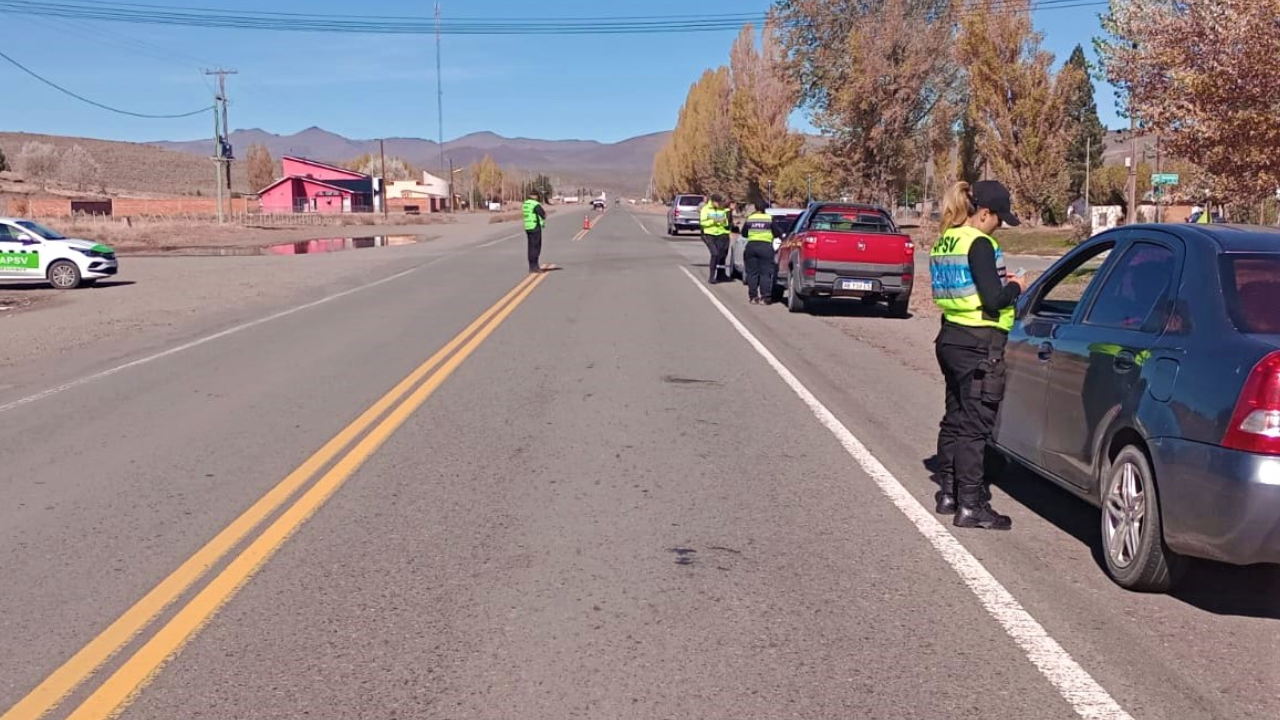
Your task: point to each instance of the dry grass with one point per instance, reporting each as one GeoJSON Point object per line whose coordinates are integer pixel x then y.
{"type": "Point", "coordinates": [166, 235]}
{"type": "Point", "coordinates": [1050, 241]}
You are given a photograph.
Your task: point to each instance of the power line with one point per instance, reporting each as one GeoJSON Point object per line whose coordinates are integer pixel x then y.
{"type": "Point", "coordinates": [94, 103]}
{"type": "Point", "coordinates": [137, 13]}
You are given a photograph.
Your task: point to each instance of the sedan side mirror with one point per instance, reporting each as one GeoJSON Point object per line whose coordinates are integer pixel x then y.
{"type": "Point", "coordinates": [27, 239]}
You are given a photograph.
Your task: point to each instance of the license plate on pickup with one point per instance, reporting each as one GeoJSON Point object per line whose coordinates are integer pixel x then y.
{"type": "Point", "coordinates": [857, 285]}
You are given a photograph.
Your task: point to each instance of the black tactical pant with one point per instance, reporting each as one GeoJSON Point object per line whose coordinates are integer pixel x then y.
{"type": "Point", "coordinates": [535, 248]}
{"type": "Point", "coordinates": [718, 246]}
{"type": "Point", "coordinates": [758, 259]}
{"type": "Point", "coordinates": [970, 416]}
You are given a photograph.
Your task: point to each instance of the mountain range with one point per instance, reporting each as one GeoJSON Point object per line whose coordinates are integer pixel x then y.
{"type": "Point", "coordinates": [622, 167]}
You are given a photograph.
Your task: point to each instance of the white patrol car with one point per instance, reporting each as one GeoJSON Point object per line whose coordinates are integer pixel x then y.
{"type": "Point", "coordinates": [30, 252]}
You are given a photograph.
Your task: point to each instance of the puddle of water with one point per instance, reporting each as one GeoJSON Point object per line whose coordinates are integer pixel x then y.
{"type": "Point", "coordinates": [315, 247]}
{"type": "Point", "coordinates": [306, 247]}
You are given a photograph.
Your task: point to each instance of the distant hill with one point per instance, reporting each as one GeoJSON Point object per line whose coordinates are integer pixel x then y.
{"type": "Point", "coordinates": [127, 169]}
{"type": "Point", "coordinates": [621, 167]}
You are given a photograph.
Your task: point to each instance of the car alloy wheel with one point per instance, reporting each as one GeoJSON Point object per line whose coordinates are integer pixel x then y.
{"type": "Point", "coordinates": [1133, 544]}
{"type": "Point", "coordinates": [1126, 516]}
{"type": "Point", "coordinates": [64, 275]}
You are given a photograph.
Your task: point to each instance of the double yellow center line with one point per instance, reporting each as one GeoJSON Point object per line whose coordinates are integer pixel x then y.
{"type": "Point", "coordinates": [374, 426]}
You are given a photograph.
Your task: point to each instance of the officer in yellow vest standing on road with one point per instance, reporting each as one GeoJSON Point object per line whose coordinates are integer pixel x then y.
{"type": "Point", "coordinates": [535, 218]}
{"type": "Point", "coordinates": [976, 296]}
{"type": "Point", "coordinates": [757, 256]}
{"type": "Point", "coordinates": [714, 218]}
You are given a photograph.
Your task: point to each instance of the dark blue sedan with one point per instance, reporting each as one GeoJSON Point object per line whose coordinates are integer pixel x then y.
{"type": "Point", "coordinates": [1144, 376]}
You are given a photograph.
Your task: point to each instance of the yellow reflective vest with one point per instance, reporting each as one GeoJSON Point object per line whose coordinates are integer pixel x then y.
{"type": "Point", "coordinates": [714, 220]}
{"type": "Point", "coordinates": [954, 291]}
{"type": "Point", "coordinates": [758, 227]}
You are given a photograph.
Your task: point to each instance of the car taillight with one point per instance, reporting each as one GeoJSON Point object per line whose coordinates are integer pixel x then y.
{"type": "Point", "coordinates": [811, 272]}
{"type": "Point", "coordinates": [910, 249]}
{"type": "Point", "coordinates": [1255, 424]}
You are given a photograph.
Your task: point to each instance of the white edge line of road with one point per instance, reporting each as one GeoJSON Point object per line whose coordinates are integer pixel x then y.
{"type": "Point", "coordinates": [1077, 687]}
{"type": "Point", "coordinates": [205, 340]}
{"type": "Point", "coordinates": [641, 224]}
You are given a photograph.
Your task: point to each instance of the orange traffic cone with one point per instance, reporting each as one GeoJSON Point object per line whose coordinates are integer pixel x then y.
{"type": "Point", "coordinates": [586, 222]}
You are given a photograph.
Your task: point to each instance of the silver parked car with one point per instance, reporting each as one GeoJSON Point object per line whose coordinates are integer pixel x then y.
{"type": "Point", "coordinates": [685, 214]}
{"type": "Point", "coordinates": [1149, 385]}
{"type": "Point", "coordinates": [783, 219]}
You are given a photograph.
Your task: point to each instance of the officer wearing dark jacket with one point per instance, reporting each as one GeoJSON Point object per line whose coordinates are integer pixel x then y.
{"type": "Point", "coordinates": [757, 257]}
{"type": "Point", "coordinates": [976, 296]}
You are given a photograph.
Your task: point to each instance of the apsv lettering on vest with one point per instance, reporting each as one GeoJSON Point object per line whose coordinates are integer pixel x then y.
{"type": "Point", "coordinates": [954, 291]}
{"type": "Point", "coordinates": [759, 227]}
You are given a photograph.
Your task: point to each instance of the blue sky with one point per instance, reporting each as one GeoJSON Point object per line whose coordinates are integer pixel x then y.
{"type": "Point", "coordinates": [604, 88]}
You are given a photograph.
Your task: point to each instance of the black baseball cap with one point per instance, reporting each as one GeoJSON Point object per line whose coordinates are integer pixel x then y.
{"type": "Point", "coordinates": [993, 196]}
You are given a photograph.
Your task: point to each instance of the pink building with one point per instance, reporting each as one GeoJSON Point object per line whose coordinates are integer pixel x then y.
{"type": "Point", "coordinates": [311, 186]}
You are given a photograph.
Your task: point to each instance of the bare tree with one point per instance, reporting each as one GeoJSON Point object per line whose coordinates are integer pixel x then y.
{"type": "Point", "coordinates": [78, 168]}
{"type": "Point", "coordinates": [262, 168]}
{"type": "Point", "coordinates": [38, 162]}
{"type": "Point", "coordinates": [371, 165]}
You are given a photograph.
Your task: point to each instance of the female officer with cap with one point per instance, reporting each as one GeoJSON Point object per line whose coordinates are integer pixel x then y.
{"type": "Point", "coordinates": [976, 296]}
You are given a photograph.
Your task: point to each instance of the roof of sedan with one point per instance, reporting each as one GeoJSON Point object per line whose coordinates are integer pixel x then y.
{"type": "Point", "coordinates": [1234, 238]}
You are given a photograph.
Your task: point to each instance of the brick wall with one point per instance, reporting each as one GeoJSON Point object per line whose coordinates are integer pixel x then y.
{"type": "Point", "coordinates": [125, 207]}
{"type": "Point", "coordinates": [424, 205]}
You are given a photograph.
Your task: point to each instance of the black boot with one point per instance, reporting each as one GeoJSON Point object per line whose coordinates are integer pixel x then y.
{"type": "Point", "coordinates": [975, 511]}
{"type": "Point", "coordinates": [946, 497]}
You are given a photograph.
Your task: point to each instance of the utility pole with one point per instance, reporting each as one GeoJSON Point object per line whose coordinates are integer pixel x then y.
{"type": "Point", "coordinates": [1131, 188]}
{"type": "Point", "coordinates": [1088, 168]}
{"type": "Point", "coordinates": [222, 153]}
{"type": "Point", "coordinates": [450, 185]}
{"type": "Point", "coordinates": [440, 92]}
{"type": "Point", "coordinates": [1159, 190]}
{"type": "Point", "coordinates": [382, 150]}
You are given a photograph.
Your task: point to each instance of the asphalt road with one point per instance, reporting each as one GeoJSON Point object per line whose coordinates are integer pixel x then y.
{"type": "Point", "coordinates": [603, 492]}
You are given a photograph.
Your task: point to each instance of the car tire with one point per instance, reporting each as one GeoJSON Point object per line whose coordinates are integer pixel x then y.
{"type": "Point", "coordinates": [795, 301]}
{"type": "Point", "coordinates": [900, 307]}
{"type": "Point", "coordinates": [673, 232]}
{"type": "Point", "coordinates": [1133, 548]}
{"type": "Point", "coordinates": [64, 275]}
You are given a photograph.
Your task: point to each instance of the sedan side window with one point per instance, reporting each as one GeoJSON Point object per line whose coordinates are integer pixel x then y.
{"type": "Point", "coordinates": [1136, 290]}
{"type": "Point", "coordinates": [1063, 291]}
{"type": "Point", "coordinates": [8, 233]}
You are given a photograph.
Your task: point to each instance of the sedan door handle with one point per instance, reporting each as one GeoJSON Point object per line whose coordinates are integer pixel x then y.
{"type": "Point", "coordinates": [1124, 361]}
{"type": "Point", "coordinates": [1045, 352]}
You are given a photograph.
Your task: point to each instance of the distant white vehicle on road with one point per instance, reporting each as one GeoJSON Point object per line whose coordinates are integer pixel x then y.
{"type": "Point", "coordinates": [30, 252]}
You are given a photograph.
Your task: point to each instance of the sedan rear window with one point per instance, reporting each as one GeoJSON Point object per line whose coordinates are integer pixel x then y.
{"type": "Point", "coordinates": [690, 200]}
{"type": "Point", "coordinates": [1251, 288]}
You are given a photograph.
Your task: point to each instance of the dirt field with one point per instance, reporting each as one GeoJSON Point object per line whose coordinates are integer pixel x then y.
{"type": "Point", "coordinates": [186, 236]}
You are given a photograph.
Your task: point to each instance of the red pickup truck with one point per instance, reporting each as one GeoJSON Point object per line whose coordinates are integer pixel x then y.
{"type": "Point", "coordinates": [840, 250]}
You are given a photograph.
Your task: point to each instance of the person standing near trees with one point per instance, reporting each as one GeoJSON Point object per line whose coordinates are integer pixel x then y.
{"type": "Point", "coordinates": [976, 296]}
{"type": "Point", "coordinates": [760, 231]}
{"type": "Point", "coordinates": [714, 219]}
